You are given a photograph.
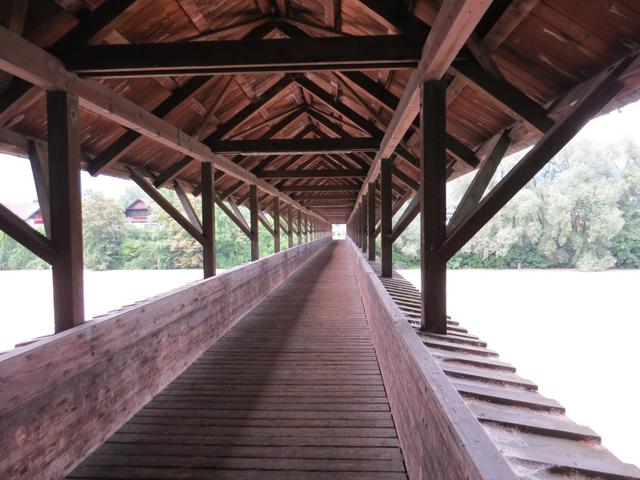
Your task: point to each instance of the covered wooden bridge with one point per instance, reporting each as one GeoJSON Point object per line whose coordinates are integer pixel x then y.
{"type": "Point", "coordinates": [316, 362]}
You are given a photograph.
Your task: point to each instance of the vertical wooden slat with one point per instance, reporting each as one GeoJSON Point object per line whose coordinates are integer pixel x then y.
{"type": "Point", "coordinates": [433, 207]}
{"type": "Point", "coordinates": [386, 260]}
{"type": "Point", "coordinates": [290, 225]}
{"type": "Point", "coordinates": [208, 220]}
{"type": "Point", "coordinates": [66, 209]}
{"type": "Point", "coordinates": [371, 221]}
{"type": "Point", "coordinates": [299, 227]}
{"type": "Point", "coordinates": [253, 209]}
{"type": "Point", "coordinates": [276, 224]}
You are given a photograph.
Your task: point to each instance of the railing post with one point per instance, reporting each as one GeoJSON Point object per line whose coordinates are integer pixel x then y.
{"type": "Point", "coordinates": [371, 221]}
{"type": "Point", "coordinates": [299, 227]}
{"type": "Point", "coordinates": [433, 207]}
{"type": "Point", "coordinates": [386, 259]}
{"type": "Point", "coordinates": [276, 224]}
{"type": "Point", "coordinates": [255, 234]}
{"type": "Point", "coordinates": [208, 220]}
{"type": "Point", "coordinates": [66, 209]}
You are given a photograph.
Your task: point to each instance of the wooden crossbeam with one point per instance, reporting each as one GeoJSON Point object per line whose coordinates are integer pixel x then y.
{"type": "Point", "coordinates": [480, 181]}
{"type": "Point", "coordinates": [31, 63]}
{"type": "Point", "coordinates": [347, 112]}
{"type": "Point", "coordinates": [295, 146]}
{"type": "Point", "coordinates": [408, 215]}
{"type": "Point", "coordinates": [320, 188]}
{"type": "Point", "coordinates": [122, 144]}
{"type": "Point", "coordinates": [187, 206]}
{"type": "Point", "coordinates": [239, 220]}
{"type": "Point", "coordinates": [339, 173]}
{"type": "Point", "coordinates": [265, 223]}
{"type": "Point", "coordinates": [453, 25]}
{"type": "Point", "coordinates": [22, 233]}
{"type": "Point", "coordinates": [246, 56]}
{"type": "Point", "coordinates": [183, 162]}
{"type": "Point", "coordinates": [138, 176]}
{"type": "Point", "coordinates": [304, 197]}
{"type": "Point", "coordinates": [389, 101]}
{"type": "Point", "coordinates": [546, 148]}
{"type": "Point", "coordinates": [95, 26]}
{"type": "Point", "coordinates": [39, 159]}
{"type": "Point", "coordinates": [513, 100]}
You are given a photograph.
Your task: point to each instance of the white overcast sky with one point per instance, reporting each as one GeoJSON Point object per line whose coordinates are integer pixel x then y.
{"type": "Point", "coordinates": [16, 182]}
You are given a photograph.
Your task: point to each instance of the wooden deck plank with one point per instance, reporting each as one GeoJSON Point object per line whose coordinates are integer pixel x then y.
{"type": "Point", "coordinates": [293, 391]}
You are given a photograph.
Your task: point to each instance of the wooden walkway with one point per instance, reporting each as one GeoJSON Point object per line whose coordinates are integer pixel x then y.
{"type": "Point", "coordinates": [293, 391]}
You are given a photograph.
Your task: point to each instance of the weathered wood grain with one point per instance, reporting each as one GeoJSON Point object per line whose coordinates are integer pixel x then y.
{"type": "Point", "coordinates": [64, 395]}
{"type": "Point", "coordinates": [434, 425]}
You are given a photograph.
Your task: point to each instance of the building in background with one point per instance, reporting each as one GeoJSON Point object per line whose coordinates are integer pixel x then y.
{"type": "Point", "coordinates": [137, 212]}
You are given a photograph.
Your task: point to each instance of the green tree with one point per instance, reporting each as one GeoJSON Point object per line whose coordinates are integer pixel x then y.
{"type": "Point", "coordinates": [103, 231]}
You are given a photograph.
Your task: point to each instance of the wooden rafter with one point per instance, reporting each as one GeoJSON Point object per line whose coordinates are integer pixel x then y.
{"type": "Point", "coordinates": [295, 146]}
{"type": "Point", "coordinates": [22, 233]}
{"type": "Point", "coordinates": [545, 149]}
{"type": "Point", "coordinates": [454, 23]}
{"type": "Point", "coordinates": [339, 173]}
{"type": "Point", "coordinates": [138, 176]}
{"type": "Point", "coordinates": [96, 26]}
{"type": "Point", "coordinates": [31, 63]}
{"type": "Point", "coordinates": [246, 56]}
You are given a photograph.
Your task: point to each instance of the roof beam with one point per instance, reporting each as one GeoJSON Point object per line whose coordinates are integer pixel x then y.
{"type": "Point", "coordinates": [454, 23]}
{"type": "Point", "coordinates": [31, 63]}
{"type": "Point", "coordinates": [96, 26]}
{"type": "Point", "coordinates": [320, 188]}
{"type": "Point", "coordinates": [390, 102]}
{"type": "Point", "coordinates": [295, 146]}
{"type": "Point", "coordinates": [303, 54]}
{"type": "Point", "coordinates": [147, 187]}
{"type": "Point", "coordinates": [339, 173]}
{"type": "Point", "coordinates": [22, 233]}
{"type": "Point", "coordinates": [546, 148]}
{"type": "Point", "coordinates": [121, 145]}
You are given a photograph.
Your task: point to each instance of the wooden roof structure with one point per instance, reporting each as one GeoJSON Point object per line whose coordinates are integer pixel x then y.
{"type": "Point", "coordinates": [339, 111]}
{"type": "Point", "coordinates": [322, 79]}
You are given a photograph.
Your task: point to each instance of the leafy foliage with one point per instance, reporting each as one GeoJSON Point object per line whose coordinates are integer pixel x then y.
{"type": "Point", "coordinates": [582, 210]}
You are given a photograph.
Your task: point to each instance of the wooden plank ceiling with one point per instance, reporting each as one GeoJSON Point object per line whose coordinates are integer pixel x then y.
{"type": "Point", "coordinates": [239, 73]}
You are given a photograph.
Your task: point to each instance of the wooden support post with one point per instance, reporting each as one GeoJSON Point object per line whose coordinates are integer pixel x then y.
{"type": "Point", "coordinates": [299, 227]}
{"type": "Point", "coordinates": [66, 209]}
{"type": "Point", "coordinates": [371, 221]}
{"type": "Point", "coordinates": [433, 195]}
{"type": "Point", "coordinates": [276, 224]}
{"type": "Point", "coordinates": [290, 226]}
{"type": "Point", "coordinates": [208, 220]}
{"type": "Point", "coordinates": [360, 225]}
{"type": "Point", "coordinates": [365, 223]}
{"type": "Point", "coordinates": [255, 234]}
{"type": "Point", "coordinates": [386, 260]}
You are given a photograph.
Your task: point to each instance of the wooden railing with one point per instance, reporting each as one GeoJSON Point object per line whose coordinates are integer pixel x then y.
{"type": "Point", "coordinates": [62, 396]}
{"type": "Point", "coordinates": [439, 436]}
